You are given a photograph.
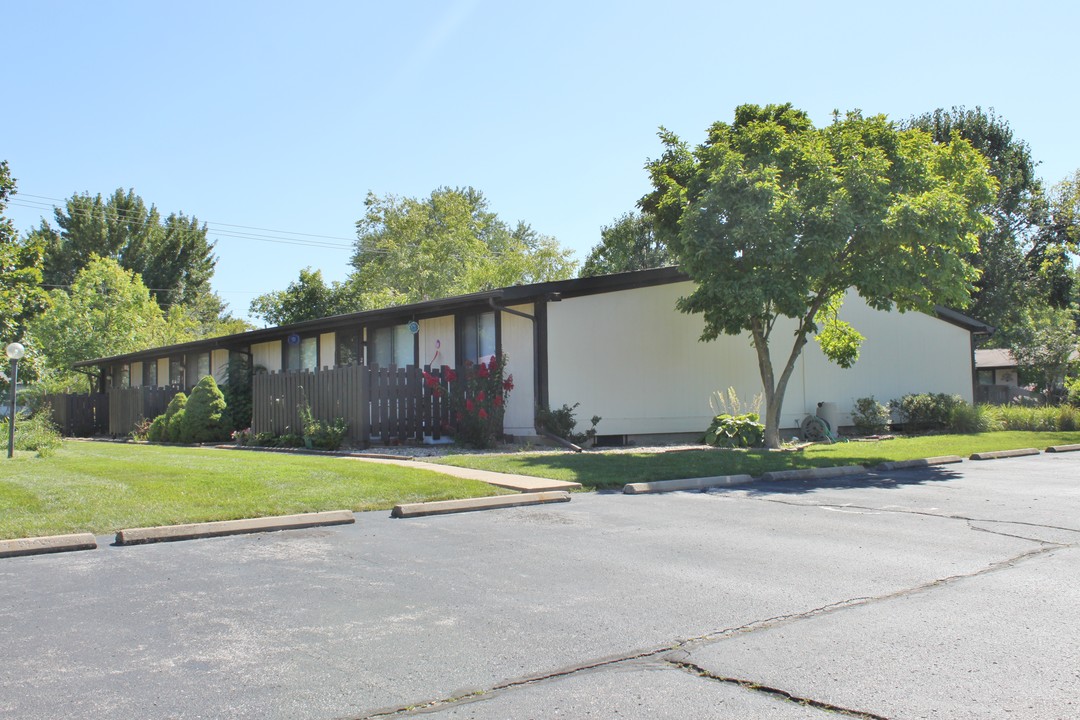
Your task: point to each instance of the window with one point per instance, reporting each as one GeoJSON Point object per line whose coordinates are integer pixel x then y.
{"type": "Point", "coordinates": [201, 363]}
{"type": "Point", "coordinates": [176, 372]}
{"type": "Point", "coordinates": [393, 346]}
{"type": "Point", "coordinates": [123, 379]}
{"type": "Point", "coordinates": [149, 373]}
{"type": "Point", "coordinates": [301, 353]}
{"type": "Point", "coordinates": [478, 337]}
{"type": "Point", "coordinates": [347, 348]}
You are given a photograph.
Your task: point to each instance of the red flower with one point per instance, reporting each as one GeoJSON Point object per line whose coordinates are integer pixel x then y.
{"type": "Point", "coordinates": [449, 374]}
{"type": "Point", "coordinates": [480, 396]}
{"type": "Point", "coordinates": [492, 365]}
{"type": "Point", "coordinates": [508, 384]}
{"type": "Point", "coordinates": [430, 380]}
{"type": "Point", "coordinates": [483, 414]}
{"type": "Point", "coordinates": [498, 401]}
{"type": "Point", "coordinates": [482, 371]}
{"type": "Point", "coordinates": [469, 405]}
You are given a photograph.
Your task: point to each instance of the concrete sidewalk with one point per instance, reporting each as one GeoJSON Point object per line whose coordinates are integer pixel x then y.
{"type": "Point", "coordinates": [521, 483]}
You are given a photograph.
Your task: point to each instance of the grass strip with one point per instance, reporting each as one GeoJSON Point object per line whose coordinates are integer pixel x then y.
{"type": "Point", "coordinates": [597, 470]}
{"type": "Point", "coordinates": [104, 487]}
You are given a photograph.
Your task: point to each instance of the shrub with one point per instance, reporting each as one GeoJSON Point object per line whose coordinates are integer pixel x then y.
{"type": "Point", "coordinates": [238, 391]}
{"type": "Point", "coordinates": [926, 411]}
{"type": "Point", "coordinates": [966, 418]}
{"type": "Point", "coordinates": [481, 404]}
{"type": "Point", "coordinates": [562, 422]}
{"type": "Point", "coordinates": [157, 432]}
{"type": "Point", "coordinates": [1039, 419]}
{"type": "Point", "coordinates": [870, 417]}
{"type": "Point", "coordinates": [735, 431]}
{"type": "Point", "coordinates": [204, 416]}
{"type": "Point", "coordinates": [34, 433]}
{"type": "Point", "coordinates": [320, 435]}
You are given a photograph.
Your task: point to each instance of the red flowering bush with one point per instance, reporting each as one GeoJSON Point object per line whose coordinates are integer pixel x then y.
{"type": "Point", "coordinates": [481, 405]}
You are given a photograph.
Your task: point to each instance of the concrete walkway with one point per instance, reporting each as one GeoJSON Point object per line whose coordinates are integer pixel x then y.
{"type": "Point", "coordinates": [521, 483]}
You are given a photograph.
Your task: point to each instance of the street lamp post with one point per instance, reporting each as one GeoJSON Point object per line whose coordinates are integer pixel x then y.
{"type": "Point", "coordinates": [15, 352]}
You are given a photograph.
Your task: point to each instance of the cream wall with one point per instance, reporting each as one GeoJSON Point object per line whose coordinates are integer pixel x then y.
{"type": "Point", "coordinates": [440, 331]}
{"type": "Point", "coordinates": [267, 355]}
{"type": "Point", "coordinates": [219, 366]}
{"type": "Point", "coordinates": [136, 374]}
{"type": "Point", "coordinates": [163, 372]}
{"type": "Point", "coordinates": [633, 359]}
{"type": "Point", "coordinates": [517, 342]}
{"type": "Point", "coordinates": [326, 350]}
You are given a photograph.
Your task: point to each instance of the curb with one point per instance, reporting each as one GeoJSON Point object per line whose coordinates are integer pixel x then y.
{"type": "Point", "coordinates": [996, 454]}
{"type": "Point", "coordinates": [1063, 448]}
{"type": "Point", "coordinates": [47, 544]}
{"type": "Point", "coordinates": [168, 533]}
{"type": "Point", "coordinates": [443, 507]}
{"type": "Point", "coordinates": [920, 463]}
{"type": "Point", "coordinates": [813, 473]}
{"type": "Point", "coordinates": [702, 483]}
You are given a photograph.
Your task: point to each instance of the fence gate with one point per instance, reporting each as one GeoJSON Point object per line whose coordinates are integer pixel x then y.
{"type": "Point", "coordinates": [80, 415]}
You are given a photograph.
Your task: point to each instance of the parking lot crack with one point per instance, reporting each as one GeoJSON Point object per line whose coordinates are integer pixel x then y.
{"type": "Point", "coordinates": [924, 513]}
{"type": "Point", "coordinates": [776, 692]}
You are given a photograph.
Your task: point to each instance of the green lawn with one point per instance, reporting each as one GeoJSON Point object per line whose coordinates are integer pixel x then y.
{"type": "Point", "coordinates": [104, 487]}
{"type": "Point", "coordinates": [596, 470]}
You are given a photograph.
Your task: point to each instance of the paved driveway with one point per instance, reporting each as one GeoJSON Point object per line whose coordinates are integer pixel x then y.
{"type": "Point", "coordinates": [920, 594]}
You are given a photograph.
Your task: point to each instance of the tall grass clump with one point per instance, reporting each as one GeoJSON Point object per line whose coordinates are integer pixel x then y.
{"type": "Point", "coordinates": [1047, 418]}
{"type": "Point", "coordinates": [35, 433]}
{"type": "Point", "coordinates": [964, 418]}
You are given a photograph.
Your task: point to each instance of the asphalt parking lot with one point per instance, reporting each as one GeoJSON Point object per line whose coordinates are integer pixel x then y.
{"type": "Point", "coordinates": [943, 593]}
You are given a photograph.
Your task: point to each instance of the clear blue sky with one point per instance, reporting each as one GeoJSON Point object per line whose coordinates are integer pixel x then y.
{"type": "Point", "coordinates": [284, 115]}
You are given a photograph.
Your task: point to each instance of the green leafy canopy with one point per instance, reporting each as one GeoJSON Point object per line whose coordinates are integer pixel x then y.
{"type": "Point", "coordinates": [773, 217]}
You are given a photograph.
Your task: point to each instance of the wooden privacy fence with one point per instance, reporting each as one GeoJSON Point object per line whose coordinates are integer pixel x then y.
{"type": "Point", "coordinates": [80, 415]}
{"type": "Point", "coordinates": [389, 403]}
{"type": "Point", "coordinates": [127, 406]}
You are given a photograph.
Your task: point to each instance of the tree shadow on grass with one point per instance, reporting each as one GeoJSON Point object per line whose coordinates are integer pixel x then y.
{"type": "Point", "coordinates": [610, 471]}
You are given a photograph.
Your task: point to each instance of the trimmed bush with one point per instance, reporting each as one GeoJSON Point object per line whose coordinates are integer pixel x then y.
{"type": "Point", "coordinates": [204, 417]}
{"type": "Point", "coordinates": [926, 411]}
{"type": "Point", "coordinates": [1039, 419]}
{"type": "Point", "coordinates": [562, 422]}
{"type": "Point", "coordinates": [870, 417]}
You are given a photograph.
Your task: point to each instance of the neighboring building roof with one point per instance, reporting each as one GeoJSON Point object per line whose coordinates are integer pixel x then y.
{"type": "Point", "coordinates": [516, 294]}
{"type": "Point", "coordinates": [994, 358]}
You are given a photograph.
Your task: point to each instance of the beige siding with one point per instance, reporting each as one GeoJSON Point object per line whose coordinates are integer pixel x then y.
{"type": "Point", "coordinates": [517, 341]}
{"type": "Point", "coordinates": [136, 374]}
{"type": "Point", "coordinates": [631, 358]}
{"type": "Point", "coordinates": [267, 355]}
{"type": "Point", "coordinates": [327, 345]}
{"type": "Point", "coordinates": [437, 335]}
{"type": "Point", "coordinates": [219, 366]}
{"type": "Point", "coordinates": [163, 372]}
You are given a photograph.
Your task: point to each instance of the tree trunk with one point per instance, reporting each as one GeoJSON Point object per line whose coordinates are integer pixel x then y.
{"type": "Point", "coordinates": [775, 389]}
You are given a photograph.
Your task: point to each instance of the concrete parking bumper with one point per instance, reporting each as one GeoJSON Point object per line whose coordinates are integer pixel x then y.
{"type": "Point", "coordinates": [167, 533]}
{"type": "Point", "coordinates": [998, 454]}
{"type": "Point", "coordinates": [920, 462]}
{"type": "Point", "coordinates": [702, 483]}
{"type": "Point", "coordinates": [443, 507]}
{"type": "Point", "coordinates": [813, 473]}
{"type": "Point", "coordinates": [47, 544]}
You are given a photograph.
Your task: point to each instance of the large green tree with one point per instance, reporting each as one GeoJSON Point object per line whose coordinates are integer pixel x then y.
{"type": "Point", "coordinates": [172, 255]}
{"type": "Point", "coordinates": [107, 310]}
{"type": "Point", "coordinates": [306, 299]}
{"type": "Point", "coordinates": [629, 243]}
{"type": "Point", "coordinates": [21, 294]}
{"type": "Point", "coordinates": [1023, 254]}
{"type": "Point", "coordinates": [774, 218]}
{"type": "Point", "coordinates": [449, 243]}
